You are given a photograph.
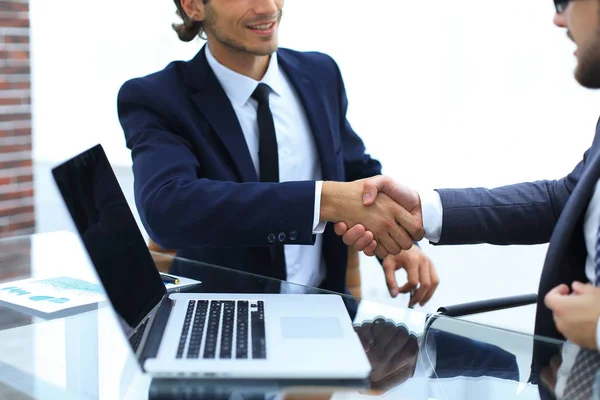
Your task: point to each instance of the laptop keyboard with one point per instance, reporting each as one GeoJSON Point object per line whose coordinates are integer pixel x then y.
{"type": "Point", "coordinates": [224, 330]}
{"type": "Point", "coordinates": [136, 338]}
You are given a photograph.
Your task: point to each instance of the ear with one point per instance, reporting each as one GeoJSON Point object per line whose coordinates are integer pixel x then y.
{"type": "Point", "coordinates": [194, 9]}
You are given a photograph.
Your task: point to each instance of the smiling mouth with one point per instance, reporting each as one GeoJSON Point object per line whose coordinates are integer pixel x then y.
{"type": "Point", "coordinates": [262, 27]}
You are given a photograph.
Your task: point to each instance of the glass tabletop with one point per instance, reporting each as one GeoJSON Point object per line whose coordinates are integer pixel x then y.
{"type": "Point", "coordinates": [51, 349]}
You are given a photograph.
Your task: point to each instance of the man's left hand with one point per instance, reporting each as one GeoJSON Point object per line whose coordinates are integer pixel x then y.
{"type": "Point", "coordinates": [420, 273]}
{"type": "Point", "coordinates": [576, 314]}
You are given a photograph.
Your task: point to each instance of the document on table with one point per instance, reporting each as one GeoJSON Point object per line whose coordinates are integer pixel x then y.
{"type": "Point", "coordinates": [51, 295]}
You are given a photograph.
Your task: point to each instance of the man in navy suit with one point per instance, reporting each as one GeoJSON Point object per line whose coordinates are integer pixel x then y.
{"type": "Point", "coordinates": [564, 212]}
{"type": "Point", "coordinates": [243, 154]}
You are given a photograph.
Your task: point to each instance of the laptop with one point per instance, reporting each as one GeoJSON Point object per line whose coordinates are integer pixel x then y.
{"type": "Point", "coordinates": [200, 335]}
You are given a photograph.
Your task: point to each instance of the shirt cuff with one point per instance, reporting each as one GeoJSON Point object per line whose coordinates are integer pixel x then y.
{"type": "Point", "coordinates": [598, 334]}
{"type": "Point", "coordinates": [318, 226]}
{"type": "Point", "coordinates": [433, 212]}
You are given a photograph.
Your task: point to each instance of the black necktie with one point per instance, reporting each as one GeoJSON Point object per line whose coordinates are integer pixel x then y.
{"type": "Point", "coordinates": [268, 159]}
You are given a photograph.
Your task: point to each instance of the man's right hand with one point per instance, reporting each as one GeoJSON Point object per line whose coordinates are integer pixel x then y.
{"type": "Point", "coordinates": [359, 235]}
{"type": "Point", "coordinates": [389, 224]}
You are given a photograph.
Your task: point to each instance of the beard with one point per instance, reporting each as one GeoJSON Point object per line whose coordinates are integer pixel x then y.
{"type": "Point", "coordinates": [587, 71]}
{"type": "Point", "coordinates": [210, 24]}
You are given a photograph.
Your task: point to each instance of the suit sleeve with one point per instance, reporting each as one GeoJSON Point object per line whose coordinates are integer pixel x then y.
{"type": "Point", "coordinates": [525, 213]}
{"type": "Point", "coordinates": [357, 163]}
{"type": "Point", "coordinates": [182, 209]}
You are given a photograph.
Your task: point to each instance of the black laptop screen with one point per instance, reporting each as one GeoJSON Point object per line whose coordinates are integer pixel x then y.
{"type": "Point", "coordinates": [110, 234]}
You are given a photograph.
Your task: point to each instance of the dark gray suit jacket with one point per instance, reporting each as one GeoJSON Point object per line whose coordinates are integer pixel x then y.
{"type": "Point", "coordinates": [530, 213]}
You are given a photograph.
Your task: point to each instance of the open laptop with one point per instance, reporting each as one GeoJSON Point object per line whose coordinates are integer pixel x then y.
{"type": "Point", "coordinates": [244, 336]}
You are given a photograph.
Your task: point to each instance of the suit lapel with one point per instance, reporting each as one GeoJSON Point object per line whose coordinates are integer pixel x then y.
{"type": "Point", "coordinates": [213, 103]}
{"type": "Point", "coordinates": [572, 214]}
{"type": "Point", "coordinates": [314, 108]}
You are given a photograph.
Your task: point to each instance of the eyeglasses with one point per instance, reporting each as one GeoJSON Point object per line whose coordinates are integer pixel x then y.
{"type": "Point", "coordinates": [561, 5]}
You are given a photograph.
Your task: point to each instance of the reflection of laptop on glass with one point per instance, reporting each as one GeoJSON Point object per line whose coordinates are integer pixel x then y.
{"type": "Point", "coordinates": [268, 336]}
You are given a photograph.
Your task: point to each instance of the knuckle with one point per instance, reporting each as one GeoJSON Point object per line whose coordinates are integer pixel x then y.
{"type": "Point", "coordinates": [407, 244]}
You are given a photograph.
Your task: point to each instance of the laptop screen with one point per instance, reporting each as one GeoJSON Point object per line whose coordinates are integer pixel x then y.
{"type": "Point", "coordinates": [110, 234]}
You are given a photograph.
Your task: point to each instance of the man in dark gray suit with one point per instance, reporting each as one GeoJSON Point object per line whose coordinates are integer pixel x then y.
{"type": "Point", "coordinates": [564, 212]}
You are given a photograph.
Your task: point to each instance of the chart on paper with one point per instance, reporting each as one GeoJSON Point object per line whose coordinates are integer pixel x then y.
{"type": "Point", "coordinates": [52, 294]}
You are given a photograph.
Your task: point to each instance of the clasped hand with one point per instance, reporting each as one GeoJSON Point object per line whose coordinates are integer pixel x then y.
{"type": "Point", "coordinates": [385, 219]}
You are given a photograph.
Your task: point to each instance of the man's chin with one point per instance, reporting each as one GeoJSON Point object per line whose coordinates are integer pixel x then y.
{"type": "Point", "coordinates": [264, 49]}
{"type": "Point", "coordinates": [588, 77]}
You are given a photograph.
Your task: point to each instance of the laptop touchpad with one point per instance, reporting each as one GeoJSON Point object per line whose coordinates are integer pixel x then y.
{"type": "Point", "coordinates": [310, 328]}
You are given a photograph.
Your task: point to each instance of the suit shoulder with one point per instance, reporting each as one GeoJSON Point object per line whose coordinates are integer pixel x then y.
{"type": "Point", "coordinates": [165, 80]}
{"type": "Point", "coordinates": [311, 58]}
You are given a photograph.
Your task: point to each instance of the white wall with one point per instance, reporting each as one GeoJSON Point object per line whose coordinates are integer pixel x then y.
{"type": "Point", "coordinates": [445, 94]}
{"type": "Point", "coordinates": [455, 84]}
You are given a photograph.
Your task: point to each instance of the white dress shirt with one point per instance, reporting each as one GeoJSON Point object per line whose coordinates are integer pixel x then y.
{"type": "Point", "coordinates": [432, 209]}
{"type": "Point", "coordinates": [298, 157]}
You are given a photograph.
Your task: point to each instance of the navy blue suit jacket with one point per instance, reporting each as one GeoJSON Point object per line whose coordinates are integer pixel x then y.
{"type": "Point", "coordinates": [196, 188]}
{"type": "Point", "coordinates": [531, 213]}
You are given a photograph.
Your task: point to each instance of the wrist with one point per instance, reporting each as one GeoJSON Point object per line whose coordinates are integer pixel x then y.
{"type": "Point", "coordinates": [330, 194]}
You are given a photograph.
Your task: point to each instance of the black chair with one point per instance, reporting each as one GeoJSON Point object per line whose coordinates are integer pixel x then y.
{"type": "Point", "coordinates": [481, 306]}
{"type": "Point", "coordinates": [477, 307]}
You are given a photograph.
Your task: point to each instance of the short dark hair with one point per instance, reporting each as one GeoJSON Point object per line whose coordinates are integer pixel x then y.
{"type": "Point", "coordinates": [188, 29]}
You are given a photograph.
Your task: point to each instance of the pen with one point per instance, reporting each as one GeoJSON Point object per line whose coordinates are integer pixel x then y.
{"type": "Point", "coordinates": [412, 294]}
{"type": "Point", "coordinates": [169, 279]}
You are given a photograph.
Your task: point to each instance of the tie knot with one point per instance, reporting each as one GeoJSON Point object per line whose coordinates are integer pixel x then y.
{"type": "Point", "coordinates": [261, 93]}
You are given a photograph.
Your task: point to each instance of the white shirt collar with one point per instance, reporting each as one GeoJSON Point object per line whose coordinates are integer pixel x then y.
{"type": "Point", "coordinates": [238, 87]}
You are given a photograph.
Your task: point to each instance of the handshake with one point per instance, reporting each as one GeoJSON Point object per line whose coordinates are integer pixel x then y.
{"type": "Point", "coordinates": [375, 215]}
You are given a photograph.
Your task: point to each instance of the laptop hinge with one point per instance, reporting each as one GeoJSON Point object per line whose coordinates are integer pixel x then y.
{"type": "Point", "coordinates": [159, 324]}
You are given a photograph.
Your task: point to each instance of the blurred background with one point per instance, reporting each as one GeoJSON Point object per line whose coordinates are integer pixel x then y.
{"type": "Point", "coordinates": [444, 94]}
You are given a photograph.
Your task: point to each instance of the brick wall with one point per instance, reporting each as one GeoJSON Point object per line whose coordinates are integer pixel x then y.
{"type": "Point", "coordinates": [16, 173]}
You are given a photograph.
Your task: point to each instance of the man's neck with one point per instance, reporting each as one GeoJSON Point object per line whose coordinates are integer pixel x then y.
{"type": "Point", "coordinates": [241, 62]}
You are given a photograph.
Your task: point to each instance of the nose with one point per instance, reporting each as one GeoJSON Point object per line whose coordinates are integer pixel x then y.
{"type": "Point", "coordinates": [560, 20]}
{"type": "Point", "coordinates": [265, 7]}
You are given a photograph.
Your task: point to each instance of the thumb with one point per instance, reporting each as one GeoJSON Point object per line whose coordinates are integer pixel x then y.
{"type": "Point", "coordinates": [555, 295]}
{"type": "Point", "coordinates": [580, 288]}
{"type": "Point", "coordinates": [371, 187]}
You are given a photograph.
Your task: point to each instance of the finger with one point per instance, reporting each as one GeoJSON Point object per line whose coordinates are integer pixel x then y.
{"type": "Point", "coordinates": [399, 341]}
{"type": "Point", "coordinates": [380, 251]}
{"type": "Point", "coordinates": [401, 237]}
{"type": "Point", "coordinates": [389, 270]}
{"type": "Point", "coordinates": [409, 349]}
{"type": "Point", "coordinates": [366, 334]}
{"type": "Point", "coordinates": [371, 187]}
{"type": "Point", "coordinates": [363, 340]}
{"type": "Point", "coordinates": [581, 288]}
{"type": "Point", "coordinates": [370, 249]}
{"type": "Point", "coordinates": [412, 224]}
{"type": "Point", "coordinates": [377, 328]}
{"type": "Point", "coordinates": [412, 275]}
{"type": "Point", "coordinates": [548, 378]}
{"type": "Point", "coordinates": [435, 281]}
{"type": "Point", "coordinates": [352, 235]}
{"type": "Point", "coordinates": [340, 228]}
{"type": "Point", "coordinates": [555, 295]}
{"type": "Point", "coordinates": [366, 239]}
{"type": "Point", "coordinates": [385, 335]}
{"type": "Point", "coordinates": [389, 243]}
{"type": "Point", "coordinates": [424, 283]}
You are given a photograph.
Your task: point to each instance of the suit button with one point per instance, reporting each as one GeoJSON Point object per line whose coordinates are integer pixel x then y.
{"type": "Point", "coordinates": [293, 235]}
{"type": "Point", "coordinates": [271, 238]}
{"type": "Point", "coordinates": [281, 237]}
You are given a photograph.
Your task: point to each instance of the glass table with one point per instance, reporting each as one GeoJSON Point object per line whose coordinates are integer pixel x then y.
{"type": "Point", "coordinates": [83, 354]}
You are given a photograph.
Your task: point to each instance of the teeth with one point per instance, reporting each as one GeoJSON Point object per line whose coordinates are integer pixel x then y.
{"type": "Point", "coordinates": [261, 27]}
